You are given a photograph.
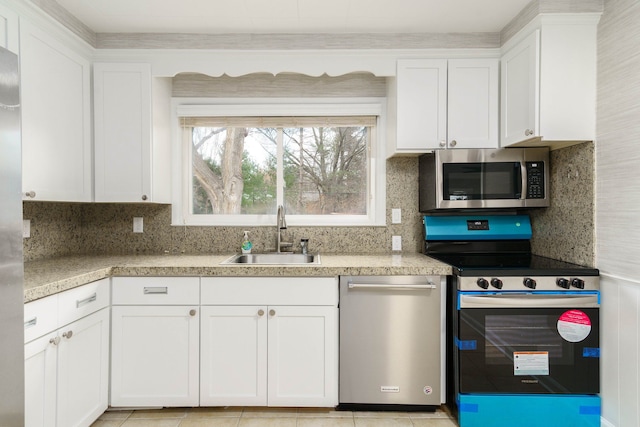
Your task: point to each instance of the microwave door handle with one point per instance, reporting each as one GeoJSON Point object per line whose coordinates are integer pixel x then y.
{"type": "Point", "coordinates": [523, 180]}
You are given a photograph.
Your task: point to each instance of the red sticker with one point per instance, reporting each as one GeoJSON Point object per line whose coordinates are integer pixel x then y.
{"type": "Point", "coordinates": [574, 325]}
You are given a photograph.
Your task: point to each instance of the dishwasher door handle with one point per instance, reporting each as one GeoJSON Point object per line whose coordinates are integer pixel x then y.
{"type": "Point", "coordinates": [352, 285]}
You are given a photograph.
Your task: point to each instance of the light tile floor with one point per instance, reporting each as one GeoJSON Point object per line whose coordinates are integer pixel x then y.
{"type": "Point", "coordinates": [271, 417]}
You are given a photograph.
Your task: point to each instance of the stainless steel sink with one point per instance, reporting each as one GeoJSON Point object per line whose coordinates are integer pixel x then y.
{"type": "Point", "coordinates": [274, 258]}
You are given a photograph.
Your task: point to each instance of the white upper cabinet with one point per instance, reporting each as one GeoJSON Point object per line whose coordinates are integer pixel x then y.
{"type": "Point", "coordinates": [125, 153]}
{"type": "Point", "coordinates": [56, 125]}
{"type": "Point", "coordinates": [472, 119]}
{"type": "Point", "coordinates": [9, 33]}
{"type": "Point", "coordinates": [548, 81]}
{"type": "Point", "coordinates": [421, 110]}
{"type": "Point", "coordinates": [439, 103]}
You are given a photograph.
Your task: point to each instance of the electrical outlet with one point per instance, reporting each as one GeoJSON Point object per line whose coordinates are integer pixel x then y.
{"type": "Point", "coordinates": [138, 226]}
{"type": "Point", "coordinates": [26, 228]}
{"type": "Point", "coordinates": [396, 216]}
{"type": "Point", "coordinates": [396, 243]}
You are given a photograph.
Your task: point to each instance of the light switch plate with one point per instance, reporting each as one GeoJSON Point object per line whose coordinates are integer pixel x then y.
{"type": "Point", "coordinates": [396, 216]}
{"type": "Point", "coordinates": [26, 228]}
{"type": "Point", "coordinates": [138, 226]}
{"type": "Point", "coordinates": [396, 243]}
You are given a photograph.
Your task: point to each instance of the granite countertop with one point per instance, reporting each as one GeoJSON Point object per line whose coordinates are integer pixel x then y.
{"type": "Point", "coordinates": [47, 277]}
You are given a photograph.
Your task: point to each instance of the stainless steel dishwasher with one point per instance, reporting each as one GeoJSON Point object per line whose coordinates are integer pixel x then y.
{"type": "Point", "coordinates": [391, 342]}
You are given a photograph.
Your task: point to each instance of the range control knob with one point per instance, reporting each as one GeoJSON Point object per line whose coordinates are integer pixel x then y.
{"type": "Point", "coordinates": [563, 283]}
{"type": "Point", "coordinates": [529, 283]}
{"type": "Point", "coordinates": [496, 283]}
{"type": "Point", "coordinates": [483, 283]}
{"type": "Point", "coordinates": [577, 283]}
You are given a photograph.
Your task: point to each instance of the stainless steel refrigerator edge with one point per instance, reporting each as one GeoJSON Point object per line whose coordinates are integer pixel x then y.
{"type": "Point", "coordinates": [391, 342]}
{"type": "Point", "coordinates": [11, 261]}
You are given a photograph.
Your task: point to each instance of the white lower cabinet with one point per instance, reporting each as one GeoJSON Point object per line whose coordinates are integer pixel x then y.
{"type": "Point", "coordinates": [302, 357]}
{"type": "Point", "coordinates": [233, 352]}
{"type": "Point", "coordinates": [83, 366]}
{"type": "Point", "coordinates": [280, 353]}
{"type": "Point", "coordinates": [66, 369]}
{"type": "Point", "coordinates": [155, 341]}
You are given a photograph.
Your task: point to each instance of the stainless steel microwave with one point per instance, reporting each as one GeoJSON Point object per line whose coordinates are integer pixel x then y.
{"type": "Point", "coordinates": [484, 179]}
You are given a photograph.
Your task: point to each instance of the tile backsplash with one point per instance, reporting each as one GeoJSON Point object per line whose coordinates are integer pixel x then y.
{"type": "Point", "coordinates": [60, 229]}
{"type": "Point", "coordinates": [566, 229]}
{"type": "Point", "coordinates": [563, 231]}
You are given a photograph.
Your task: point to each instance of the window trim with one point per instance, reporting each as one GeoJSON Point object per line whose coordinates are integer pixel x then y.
{"type": "Point", "coordinates": [238, 107]}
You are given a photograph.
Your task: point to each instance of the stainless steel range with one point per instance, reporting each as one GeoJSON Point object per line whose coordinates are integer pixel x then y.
{"type": "Point", "coordinates": [523, 329]}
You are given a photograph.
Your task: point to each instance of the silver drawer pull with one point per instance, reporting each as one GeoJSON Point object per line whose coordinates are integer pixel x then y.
{"type": "Point", "coordinates": [430, 285]}
{"type": "Point", "coordinates": [30, 323]}
{"type": "Point", "coordinates": [155, 290]}
{"type": "Point", "coordinates": [88, 300]}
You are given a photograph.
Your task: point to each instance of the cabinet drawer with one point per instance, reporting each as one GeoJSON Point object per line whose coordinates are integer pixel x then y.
{"type": "Point", "coordinates": [40, 317]}
{"type": "Point", "coordinates": [270, 291]}
{"type": "Point", "coordinates": [156, 290]}
{"type": "Point", "coordinates": [82, 301]}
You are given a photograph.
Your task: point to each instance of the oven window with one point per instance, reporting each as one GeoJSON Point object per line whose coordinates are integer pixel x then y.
{"type": "Point", "coordinates": [491, 339]}
{"type": "Point", "coordinates": [481, 181]}
{"type": "Point", "coordinates": [513, 333]}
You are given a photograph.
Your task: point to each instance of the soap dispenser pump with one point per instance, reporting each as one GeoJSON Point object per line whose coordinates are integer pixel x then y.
{"type": "Point", "coordinates": [246, 243]}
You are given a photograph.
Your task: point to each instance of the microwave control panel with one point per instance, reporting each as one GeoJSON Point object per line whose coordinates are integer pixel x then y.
{"type": "Point", "coordinates": [535, 180]}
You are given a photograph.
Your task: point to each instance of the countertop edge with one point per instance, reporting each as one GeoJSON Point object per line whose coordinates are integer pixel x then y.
{"type": "Point", "coordinates": [52, 276]}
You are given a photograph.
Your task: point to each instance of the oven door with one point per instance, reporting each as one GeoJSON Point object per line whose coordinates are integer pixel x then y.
{"type": "Point", "coordinates": [527, 343]}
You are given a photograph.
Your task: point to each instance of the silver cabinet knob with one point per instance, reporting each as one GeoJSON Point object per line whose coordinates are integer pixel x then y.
{"type": "Point", "coordinates": [144, 197]}
{"type": "Point", "coordinates": [30, 194]}
{"type": "Point", "coordinates": [272, 312]}
{"type": "Point", "coordinates": [528, 132]}
{"type": "Point", "coordinates": [453, 143]}
{"type": "Point", "coordinates": [67, 334]}
{"type": "Point", "coordinates": [192, 312]}
{"type": "Point", "coordinates": [260, 313]}
{"type": "Point", "coordinates": [443, 144]}
{"type": "Point", "coordinates": [54, 341]}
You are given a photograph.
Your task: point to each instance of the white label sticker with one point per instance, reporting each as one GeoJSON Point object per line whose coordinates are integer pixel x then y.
{"type": "Point", "coordinates": [531, 363]}
{"type": "Point", "coordinates": [389, 389]}
{"type": "Point", "coordinates": [574, 325]}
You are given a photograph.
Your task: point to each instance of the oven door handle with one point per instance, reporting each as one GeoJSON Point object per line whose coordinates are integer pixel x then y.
{"type": "Point", "coordinates": [528, 300]}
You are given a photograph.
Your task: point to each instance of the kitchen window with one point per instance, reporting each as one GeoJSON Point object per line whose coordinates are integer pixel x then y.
{"type": "Point", "coordinates": [237, 168]}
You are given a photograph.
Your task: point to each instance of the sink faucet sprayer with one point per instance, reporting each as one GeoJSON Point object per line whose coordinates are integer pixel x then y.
{"type": "Point", "coordinates": [281, 224]}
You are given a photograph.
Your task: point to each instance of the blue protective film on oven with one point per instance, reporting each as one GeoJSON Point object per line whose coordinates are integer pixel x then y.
{"type": "Point", "coordinates": [591, 352]}
{"type": "Point", "coordinates": [477, 227]}
{"type": "Point", "coordinates": [466, 344]}
{"type": "Point", "coordinates": [527, 410]}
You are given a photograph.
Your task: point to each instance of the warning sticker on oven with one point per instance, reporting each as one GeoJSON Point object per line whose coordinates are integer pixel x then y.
{"type": "Point", "coordinates": [574, 325]}
{"type": "Point", "coordinates": [530, 363]}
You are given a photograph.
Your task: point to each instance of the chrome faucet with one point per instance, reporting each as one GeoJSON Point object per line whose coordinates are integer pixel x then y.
{"type": "Point", "coordinates": [281, 224]}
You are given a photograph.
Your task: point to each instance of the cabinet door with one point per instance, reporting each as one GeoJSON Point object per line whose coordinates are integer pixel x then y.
{"type": "Point", "coordinates": [56, 139]}
{"type": "Point", "coordinates": [473, 103]}
{"type": "Point", "coordinates": [122, 105]}
{"type": "Point", "coordinates": [40, 359]}
{"type": "Point", "coordinates": [154, 356]}
{"type": "Point", "coordinates": [233, 358]}
{"type": "Point", "coordinates": [83, 370]}
{"type": "Point", "coordinates": [520, 77]}
{"type": "Point", "coordinates": [421, 105]}
{"type": "Point", "coordinates": [303, 356]}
